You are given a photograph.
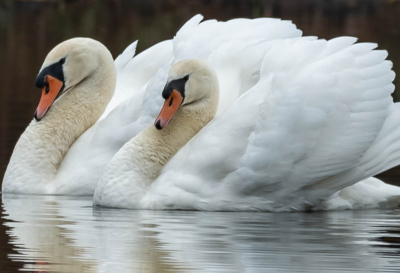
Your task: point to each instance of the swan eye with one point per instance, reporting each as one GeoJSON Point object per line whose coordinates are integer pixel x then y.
{"type": "Point", "coordinates": [61, 61]}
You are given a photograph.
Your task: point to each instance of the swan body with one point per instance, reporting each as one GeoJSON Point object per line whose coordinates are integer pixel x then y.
{"type": "Point", "coordinates": [318, 118]}
{"type": "Point", "coordinates": [80, 155]}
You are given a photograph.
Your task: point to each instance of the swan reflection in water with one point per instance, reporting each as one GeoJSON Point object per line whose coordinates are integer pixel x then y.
{"type": "Point", "coordinates": [66, 234]}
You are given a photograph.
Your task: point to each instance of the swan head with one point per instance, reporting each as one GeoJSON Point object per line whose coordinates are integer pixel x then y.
{"type": "Point", "coordinates": [66, 66]}
{"type": "Point", "coordinates": [189, 81]}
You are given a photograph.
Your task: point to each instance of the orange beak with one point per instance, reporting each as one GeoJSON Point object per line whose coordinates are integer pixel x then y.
{"type": "Point", "coordinates": [170, 106]}
{"type": "Point", "coordinates": [49, 94]}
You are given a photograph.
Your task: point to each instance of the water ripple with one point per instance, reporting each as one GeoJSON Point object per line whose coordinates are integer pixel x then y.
{"type": "Point", "coordinates": [66, 234]}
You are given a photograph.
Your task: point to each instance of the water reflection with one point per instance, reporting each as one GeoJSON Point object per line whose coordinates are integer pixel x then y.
{"type": "Point", "coordinates": [65, 234]}
{"type": "Point", "coordinates": [38, 231]}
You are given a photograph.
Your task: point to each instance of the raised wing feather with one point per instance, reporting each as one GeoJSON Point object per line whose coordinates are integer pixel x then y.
{"type": "Point", "coordinates": [140, 81]}
{"type": "Point", "coordinates": [209, 35]}
{"type": "Point", "coordinates": [134, 73]}
{"type": "Point", "coordinates": [315, 111]}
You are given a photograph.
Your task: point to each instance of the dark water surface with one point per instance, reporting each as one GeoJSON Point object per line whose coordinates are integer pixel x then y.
{"type": "Point", "coordinates": [65, 234]}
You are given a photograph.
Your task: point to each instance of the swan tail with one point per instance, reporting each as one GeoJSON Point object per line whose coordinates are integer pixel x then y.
{"type": "Point", "coordinates": [353, 188]}
{"type": "Point", "coordinates": [370, 193]}
{"type": "Point", "coordinates": [384, 153]}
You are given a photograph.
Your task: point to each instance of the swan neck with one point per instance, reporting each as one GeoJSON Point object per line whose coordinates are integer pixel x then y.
{"type": "Point", "coordinates": [165, 143]}
{"type": "Point", "coordinates": [42, 147]}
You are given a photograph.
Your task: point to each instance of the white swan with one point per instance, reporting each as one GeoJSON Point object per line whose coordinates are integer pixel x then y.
{"type": "Point", "coordinates": [79, 76]}
{"type": "Point", "coordinates": [68, 149]}
{"type": "Point", "coordinates": [319, 119]}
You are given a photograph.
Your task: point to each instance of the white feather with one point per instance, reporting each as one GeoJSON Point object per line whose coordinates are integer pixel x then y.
{"type": "Point", "coordinates": [320, 112]}
{"type": "Point", "coordinates": [140, 80]}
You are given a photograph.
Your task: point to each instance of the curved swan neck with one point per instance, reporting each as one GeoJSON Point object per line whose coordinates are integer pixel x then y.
{"type": "Point", "coordinates": [186, 123]}
{"type": "Point", "coordinates": [165, 143]}
{"type": "Point", "coordinates": [42, 147]}
{"type": "Point", "coordinates": [140, 161]}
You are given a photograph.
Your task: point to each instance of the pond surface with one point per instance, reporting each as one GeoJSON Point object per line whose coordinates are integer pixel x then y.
{"type": "Point", "coordinates": [66, 234]}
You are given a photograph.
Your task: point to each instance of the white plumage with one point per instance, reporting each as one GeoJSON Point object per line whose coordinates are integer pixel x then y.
{"type": "Point", "coordinates": [313, 116]}
{"type": "Point", "coordinates": [301, 134]}
{"type": "Point", "coordinates": [298, 120]}
{"type": "Point", "coordinates": [140, 80]}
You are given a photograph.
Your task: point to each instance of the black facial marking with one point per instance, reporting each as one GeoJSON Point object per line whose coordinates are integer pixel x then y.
{"type": "Point", "coordinates": [55, 70]}
{"type": "Point", "coordinates": [170, 102]}
{"type": "Point", "coordinates": [178, 85]}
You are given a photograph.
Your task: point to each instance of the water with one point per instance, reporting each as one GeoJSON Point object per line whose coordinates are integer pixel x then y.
{"type": "Point", "coordinates": [66, 234]}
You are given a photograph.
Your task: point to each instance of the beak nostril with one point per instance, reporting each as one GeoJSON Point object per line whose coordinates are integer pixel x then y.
{"type": "Point", "coordinates": [171, 105]}
{"type": "Point", "coordinates": [47, 88]}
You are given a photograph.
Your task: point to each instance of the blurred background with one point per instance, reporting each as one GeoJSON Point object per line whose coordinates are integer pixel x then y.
{"type": "Point", "coordinates": [30, 29]}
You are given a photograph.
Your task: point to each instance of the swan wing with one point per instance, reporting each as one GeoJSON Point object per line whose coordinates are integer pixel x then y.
{"type": "Point", "coordinates": [140, 81]}
{"type": "Point", "coordinates": [316, 109]}
{"type": "Point", "coordinates": [214, 40]}
{"type": "Point", "coordinates": [134, 73]}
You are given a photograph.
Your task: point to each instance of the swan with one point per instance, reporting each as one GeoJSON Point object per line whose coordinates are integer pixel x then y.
{"type": "Point", "coordinates": [77, 80]}
{"type": "Point", "coordinates": [91, 107]}
{"type": "Point", "coordinates": [319, 118]}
